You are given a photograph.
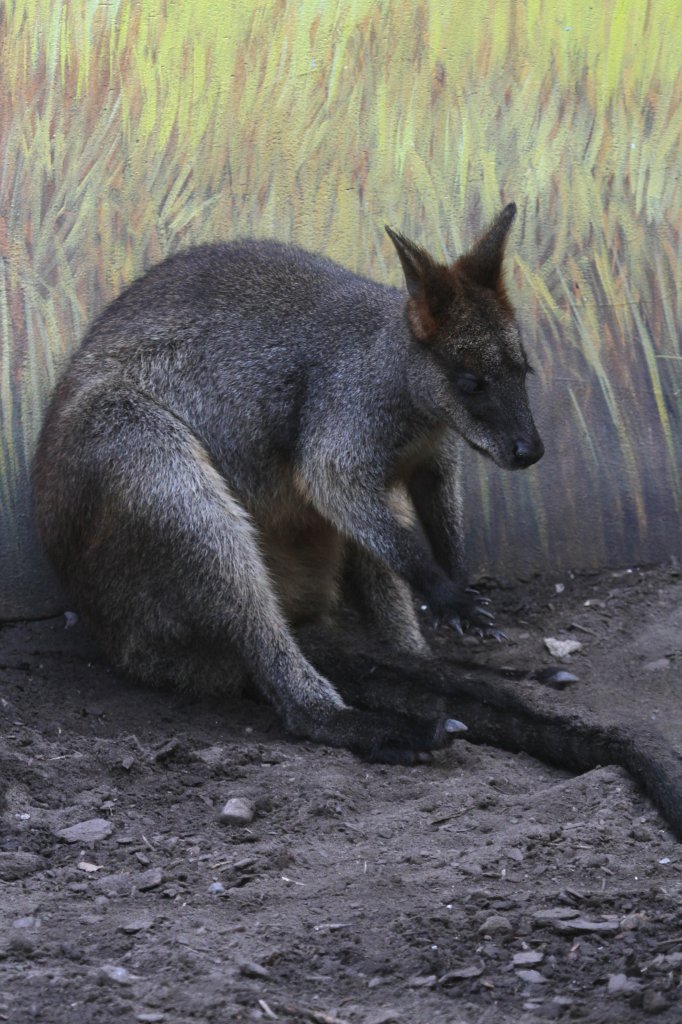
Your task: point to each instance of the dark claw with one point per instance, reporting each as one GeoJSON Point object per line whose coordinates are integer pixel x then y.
{"type": "Point", "coordinates": [496, 634]}
{"type": "Point", "coordinates": [484, 613]}
{"type": "Point", "coordinates": [452, 725]}
{"type": "Point", "coordinates": [456, 624]}
{"type": "Point", "coordinates": [436, 620]}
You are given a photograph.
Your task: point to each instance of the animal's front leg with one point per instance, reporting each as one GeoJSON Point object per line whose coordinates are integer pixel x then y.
{"type": "Point", "coordinates": [435, 492]}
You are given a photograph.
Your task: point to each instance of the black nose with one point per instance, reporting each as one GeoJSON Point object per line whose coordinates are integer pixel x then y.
{"type": "Point", "coordinates": [528, 452]}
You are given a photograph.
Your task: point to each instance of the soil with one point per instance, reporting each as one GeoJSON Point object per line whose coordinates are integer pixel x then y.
{"type": "Point", "coordinates": [486, 887]}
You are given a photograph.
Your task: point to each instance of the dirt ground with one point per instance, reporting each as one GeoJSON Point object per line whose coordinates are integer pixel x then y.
{"type": "Point", "coordinates": [486, 887]}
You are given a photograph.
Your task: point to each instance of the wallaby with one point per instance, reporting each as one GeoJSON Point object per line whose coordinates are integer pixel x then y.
{"type": "Point", "coordinates": [251, 436]}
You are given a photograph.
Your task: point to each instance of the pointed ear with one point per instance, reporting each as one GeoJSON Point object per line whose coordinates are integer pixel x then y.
{"type": "Point", "coordinates": [483, 263]}
{"type": "Point", "coordinates": [428, 285]}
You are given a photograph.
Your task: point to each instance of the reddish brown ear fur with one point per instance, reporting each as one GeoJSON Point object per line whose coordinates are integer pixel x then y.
{"type": "Point", "coordinates": [483, 263]}
{"type": "Point", "coordinates": [432, 286]}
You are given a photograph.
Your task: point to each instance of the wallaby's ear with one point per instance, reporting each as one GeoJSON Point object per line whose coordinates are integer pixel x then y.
{"type": "Point", "coordinates": [428, 285]}
{"type": "Point", "coordinates": [483, 263]}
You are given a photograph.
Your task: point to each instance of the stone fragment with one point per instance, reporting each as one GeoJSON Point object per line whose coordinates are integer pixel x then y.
{"type": "Point", "coordinates": [621, 985]}
{"type": "Point", "coordinates": [116, 974]}
{"type": "Point", "coordinates": [238, 811]}
{"type": "Point", "coordinates": [91, 831]}
{"type": "Point", "coordinates": [496, 924]}
{"type": "Point", "coordinates": [532, 977]}
{"type": "Point", "coordinates": [149, 879]}
{"type": "Point", "coordinates": [528, 958]}
{"type": "Point", "coordinates": [659, 665]}
{"type": "Point", "coordinates": [562, 648]}
{"type": "Point", "coordinates": [461, 974]}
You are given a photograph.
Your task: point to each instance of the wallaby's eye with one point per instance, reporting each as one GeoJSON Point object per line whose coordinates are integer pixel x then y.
{"type": "Point", "coordinates": [470, 384]}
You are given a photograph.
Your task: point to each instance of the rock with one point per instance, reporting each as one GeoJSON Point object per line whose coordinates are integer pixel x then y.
{"type": "Point", "coordinates": [461, 974]}
{"type": "Point", "coordinates": [91, 831]}
{"type": "Point", "coordinates": [26, 922]}
{"type": "Point", "coordinates": [149, 879]}
{"type": "Point", "coordinates": [527, 958]}
{"type": "Point", "coordinates": [211, 756]}
{"type": "Point", "coordinates": [215, 888]}
{"type": "Point", "coordinates": [659, 665]}
{"type": "Point", "coordinates": [496, 925]}
{"type": "Point", "coordinates": [578, 925]}
{"type": "Point", "coordinates": [119, 884]}
{"type": "Point", "coordinates": [116, 974]}
{"type": "Point", "coordinates": [253, 970]}
{"type": "Point", "coordinates": [387, 1016]}
{"type": "Point", "coordinates": [562, 648]}
{"type": "Point", "coordinates": [470, 641]}
{"type": "Point", "coordinates": [632, 921]}
{"type": "Point", "coordinates": [654, 1002]}
{"type": "Point", "coordinates": [135, 925]}
{"type": "Point", "coordinates": [532, 977]}
{"type": "Point", "coordinates": [19, 865]}
{"type": "Point", "coordinates": [621, 985]}
{"type": "Point", "coordinates": [555, 914]}
{"type": "Point", "coordinates": [238, 811]}
{"type": "Point", "coordinates": [421, 981]}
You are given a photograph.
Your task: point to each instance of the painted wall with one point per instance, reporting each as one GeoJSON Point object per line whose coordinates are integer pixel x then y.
{"type": "Point", "coordinates": [129, 131]}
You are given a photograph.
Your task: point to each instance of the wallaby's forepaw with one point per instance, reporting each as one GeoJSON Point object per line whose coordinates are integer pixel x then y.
{"type": "Point", "coordinates": [464, 610]}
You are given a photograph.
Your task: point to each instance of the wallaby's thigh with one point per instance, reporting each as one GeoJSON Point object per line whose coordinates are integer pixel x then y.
{"type": "Point", "coordinates": [158, 553]}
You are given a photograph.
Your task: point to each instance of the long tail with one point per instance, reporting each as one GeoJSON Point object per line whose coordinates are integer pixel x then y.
{"type": "Point", "coordinates": [496, 713]}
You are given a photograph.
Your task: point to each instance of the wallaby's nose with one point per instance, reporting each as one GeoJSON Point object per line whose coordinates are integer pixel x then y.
{"type": "Point", "coordinates": [528, 452]}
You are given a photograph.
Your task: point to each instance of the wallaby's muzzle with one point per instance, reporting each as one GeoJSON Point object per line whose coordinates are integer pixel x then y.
{"type": "Point", "coordinates": [527, 451]}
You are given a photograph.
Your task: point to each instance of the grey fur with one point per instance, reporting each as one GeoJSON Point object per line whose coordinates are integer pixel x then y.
{"type": "Point", "coordinates": [250, 424]}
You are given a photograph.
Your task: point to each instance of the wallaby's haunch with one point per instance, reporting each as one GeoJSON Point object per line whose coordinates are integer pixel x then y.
{"type": "Point", "coordinates": [252, 436]}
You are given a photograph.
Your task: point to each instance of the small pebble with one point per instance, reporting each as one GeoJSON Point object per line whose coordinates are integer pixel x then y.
{"type": "Point", "coordinates": [495, 925]}
{"type": "Point", "coordinates": [149, 879]}
{"type": "Point", "coordinates": [237, 811]}
{"type": "Point", "coordinates": [421, 981]}
{"type": "Point", "coordinates": [216, 887]}
{"type": "Point", "coordinates": [620, 985]}
{"type": "Point", "coordinates": [119, 975]}
{"type": "Point", "coordinates": [527, 958]}
{"type": "Point", "coordinates": [253, 970]}
{"type": "Point", "coordinates": [660, 665]}
{"type": "Point", "coordinates": [562, 648]}
{"type": "Point", "coordinates": [654, 1002]}
{"type": "Point", "coordinates": [91, 831]}
{"type": "Point", "coordinates": [25, 922]}
{"type": "Point", "coordinates": [532, 977]}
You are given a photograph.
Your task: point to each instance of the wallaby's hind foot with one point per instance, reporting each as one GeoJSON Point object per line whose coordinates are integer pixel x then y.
{"type": "Point", "coordinates": [387, 738]}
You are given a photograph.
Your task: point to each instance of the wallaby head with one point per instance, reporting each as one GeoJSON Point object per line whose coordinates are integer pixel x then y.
{"type": "Point", "coordinates": [469, 365]}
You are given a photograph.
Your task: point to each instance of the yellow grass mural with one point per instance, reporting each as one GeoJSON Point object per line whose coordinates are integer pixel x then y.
{"type": "Point", "coordinates": [132, 130]}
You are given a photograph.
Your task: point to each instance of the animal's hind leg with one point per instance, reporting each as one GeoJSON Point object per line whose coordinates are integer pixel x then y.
{"type": "Point", "coordinates": [174, 565]}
